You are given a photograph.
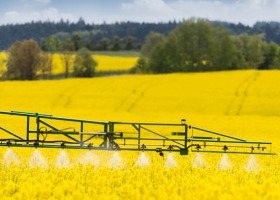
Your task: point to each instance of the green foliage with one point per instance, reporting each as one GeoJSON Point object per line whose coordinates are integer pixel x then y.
{"type": "Point", "coordinates": [84, 64]}
{"type": "Point", "coordinates": [104, 44]}
{"type": "Point", "coordinates": [151, 40]}
{"type": "Point", "coordinates": [24, 60]}
{"type": "Point", "coordinates": [140, 67]}
{"type": "Point", "coordinates": [116, 44]}
{"type": "Point", "coordinates": [93, 33]}
{"type": "Point", "coordinates": [52, 43]}
{"type": "Point", "coordinates": [45, 65]}
{"type": "Point", "coordinates": [67, 58]}
{"type": "Point", "coordinates": [76, 39]}
{"type": "Point", "coordinates": [197, 45]}
{"type": "Point", "coordinates": [129, 43]}
{"type": "Point", "coordinates": [271, 56]}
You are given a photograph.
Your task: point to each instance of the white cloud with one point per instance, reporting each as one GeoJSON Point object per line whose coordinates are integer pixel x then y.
{"type": "Point", "coordinates": [51, 14]}
{"type": "Point", "coordinates": [43, 1]}
{"type": "Point", "coordinates": [155, 5]}
{"type": "Point", "coordinates": [147, 10]}
{"type": "Point", "coordinates": [244, 11]}
{"type": "Point", "coordinates": [37, 1]}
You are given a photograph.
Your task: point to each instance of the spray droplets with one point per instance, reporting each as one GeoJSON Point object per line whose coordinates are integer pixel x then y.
{"type": "Point", "coordinates": [116, 161]}
{"type": "Point", "coordinates": [62, 160]}
{"type": "Point", "coordinates": [224, 163]}
{"type": "Point", "coordinates": [37, 160]}
{"type": "Point", "coordinates": [252, 165]}
{"type": "Point", "coordinates": [143, 160]}
{"type": "Point", "coordinates": [170, 161]}
{"type": "Point", "coordinates": [90, 158]}
{"type": "Point", "coordinates": [10, 158]}
{"type": "Point", "coordinates": [199, 162]}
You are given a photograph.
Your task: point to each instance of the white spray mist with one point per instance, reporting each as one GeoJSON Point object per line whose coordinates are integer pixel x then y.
{"type": "Point", "coordinates": [170, 161]}
{"type": "Point", "coordinates": [10, 158]}
{"type": "Point", "coordinates": [38, 160]}
{"type": "Point", "coordinates": [62, 160]}
{"type": "Point", "coordinates": [143, 160]}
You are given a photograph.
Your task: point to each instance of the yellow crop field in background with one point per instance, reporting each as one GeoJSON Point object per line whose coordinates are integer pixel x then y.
{"type": "Point", "coordinates": [3, 58]}
{"type": "Point", "coordinates": [240, 103]}
{"type": "Point", "coordinates": [114, 63]}
{"type": "Point", "coordinates": [106, 63]}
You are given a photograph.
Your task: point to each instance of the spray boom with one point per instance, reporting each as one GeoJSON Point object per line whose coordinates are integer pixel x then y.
{"type": "Point", "coordinates": [47, 131]}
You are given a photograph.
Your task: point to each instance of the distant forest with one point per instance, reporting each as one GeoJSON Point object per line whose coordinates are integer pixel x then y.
{"type": "Point", "coordinates": [116, 36]}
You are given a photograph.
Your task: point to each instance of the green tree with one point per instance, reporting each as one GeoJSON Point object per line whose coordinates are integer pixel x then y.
{"type": "Point", "coordinates": [24, 60]}
{"type": "Point", "coordinates": [116, 44]}
{"type": "Point", "coordinates": [240, 42]}
{"type": "Point", "coordinates": [255, 51]}
{"type": "Point", "coordinates": [76, 39]}
{"type": "Point", "coordinates": [252, 48]}
{"type": "Point", "coordinates": [226, 54]}
{"type": "Point", "coordinates": [84, 64]}
{"type": "Point", "coordinates": [129, 43]}
{"type": "Point", "coordinates": [52, 43]}
{"type": "Point", "coordinates": [67, 58]}
{"type": "Point", "coordinates": [271, 56]}
{"type": "Point", "coordinates": [45, 65]}
{"type": "Point", "coordinates": [141, 67]}
{"type": "Point", "coordinates": [195, 45]}
{"type": "Point", "coordinates": [160, 60]}
{"type": "Point", "coordinates": [68, 45]}
{"type": "Point", "coordinates": [104, 44]}
{"type": "Point", "coordinates": [151, 40]}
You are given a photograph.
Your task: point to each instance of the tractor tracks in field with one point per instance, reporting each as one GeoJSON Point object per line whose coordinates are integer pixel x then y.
{"type": "Point", "coordinates": [237, 102]}
{"type": "Point", "coordinates": [65, 97]}
{"type": "Point", "coordinates": [131, 100]}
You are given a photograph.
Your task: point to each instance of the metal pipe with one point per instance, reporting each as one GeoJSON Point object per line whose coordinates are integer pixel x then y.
{"type": "Point", "coordinates": [11, 133]}
{"type": "Point", "coordinates": [159, 139]}
{"type": "Point", "coordinates": [229, 141]}
{"type": "Point", "coordinates": [234, 152]}
{"type": "Point", "coordinates": [160, 135]}
{"type": "Point", "coordinates": [216, 133]}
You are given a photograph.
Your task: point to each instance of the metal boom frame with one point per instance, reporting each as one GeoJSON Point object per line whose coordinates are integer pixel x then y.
{"type": "Point", "coordinates": [113, 136]}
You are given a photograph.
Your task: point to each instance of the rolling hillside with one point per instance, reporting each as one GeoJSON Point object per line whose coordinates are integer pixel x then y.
{"type": "Point", "coordinates": [236, 102]}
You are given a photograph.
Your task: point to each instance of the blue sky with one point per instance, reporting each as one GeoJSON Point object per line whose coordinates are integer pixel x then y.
{"type": "Point", "coordinates": [99, 11]}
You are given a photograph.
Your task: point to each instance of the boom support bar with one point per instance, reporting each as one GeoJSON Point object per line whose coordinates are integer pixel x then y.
{"type": "Point", "coordinates": [48, 131]}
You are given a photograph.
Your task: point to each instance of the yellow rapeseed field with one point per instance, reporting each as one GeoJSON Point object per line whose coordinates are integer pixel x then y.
{"type": "Point", "coordinates": [3, 59]}
{"type": "Point", "coordinates": [240, 103]}
{"type": "Point", "coordinates": [105, 63]}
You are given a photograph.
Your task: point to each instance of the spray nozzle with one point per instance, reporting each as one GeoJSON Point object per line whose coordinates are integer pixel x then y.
{"type": "Point", "coordinates": [36, 144]}
{"type": "Point", "coordinates": [90, 145]}
{"type": "Point", "coordinates": [225, 148]}
{"type": "Point", "coordinates": [170, 148]}
{"type": "Point", "coordinates": [197, 147]}
{"type": "Point", "coordinates": [143, 147]}
{"type": "Point", "coordinates": [62, 144]}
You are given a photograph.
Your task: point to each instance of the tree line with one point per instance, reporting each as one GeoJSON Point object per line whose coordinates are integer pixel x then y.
{"type": "Point", "coordinates": [26, 61]}
{"type": "Point", "coordinates": [75, 41]}
{"type": "Point", "coordinates": [41, 31]}
{"type": "Point", "coordinates": [198, 45]}
{"type": "Point", "coordinates": [116, 36]}
{"type": "Point", "coordinates": [193, 45]}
